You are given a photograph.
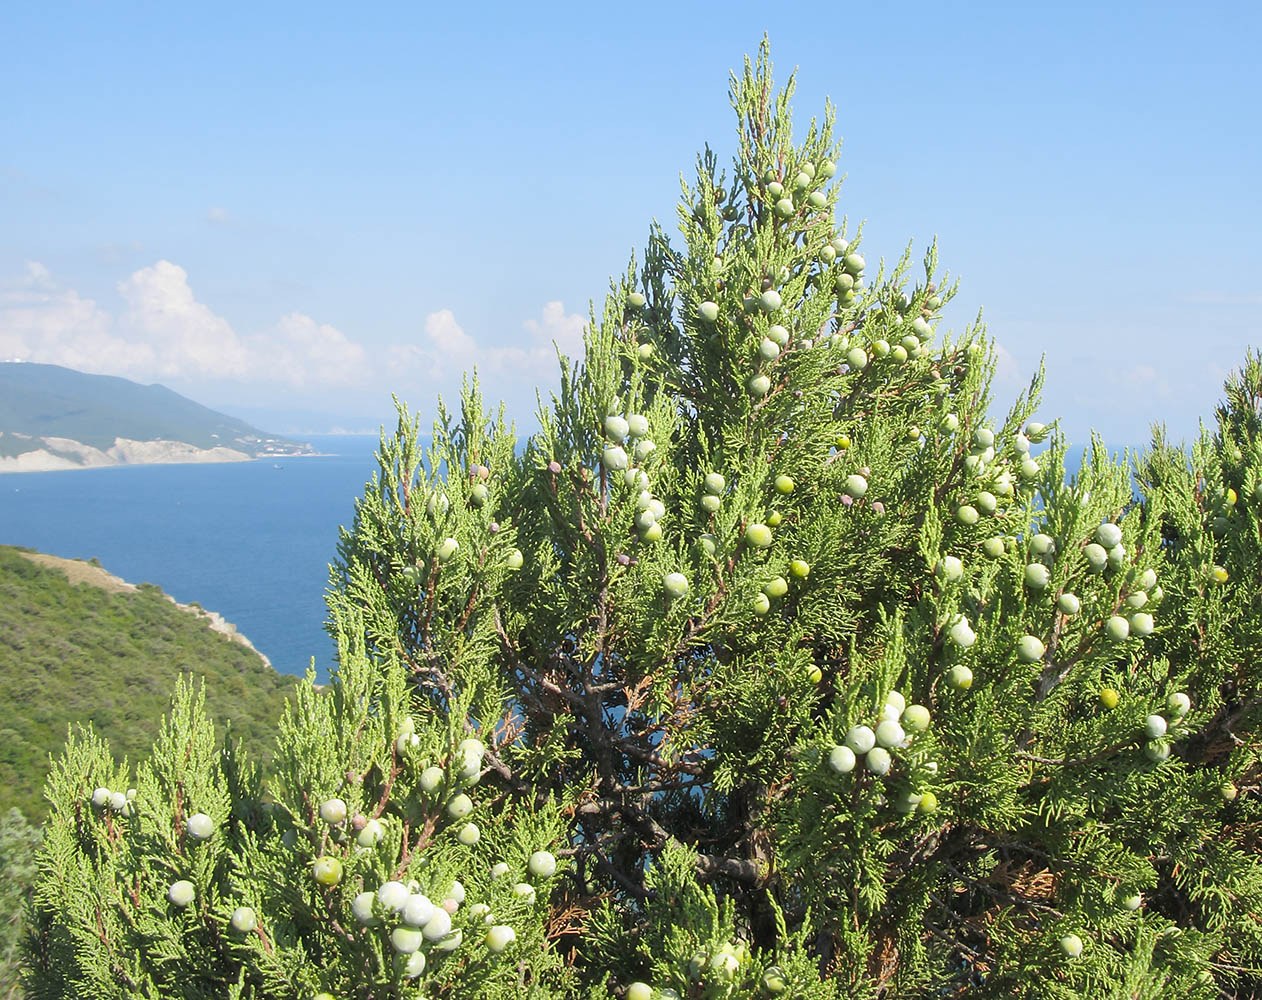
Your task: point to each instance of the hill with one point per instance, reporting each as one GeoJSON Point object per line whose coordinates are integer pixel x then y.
{"type": "Point", "coordinates": [54, 417]}
{"type": "Point", "coordinates": [79, 645]}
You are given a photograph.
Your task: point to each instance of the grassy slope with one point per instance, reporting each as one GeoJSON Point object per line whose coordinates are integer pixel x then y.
{"type": "Point", "coordinates": [80, 653]}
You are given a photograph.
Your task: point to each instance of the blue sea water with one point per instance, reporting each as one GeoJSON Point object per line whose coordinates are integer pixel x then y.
{"type": "Point", "coordinates": [250, 540]}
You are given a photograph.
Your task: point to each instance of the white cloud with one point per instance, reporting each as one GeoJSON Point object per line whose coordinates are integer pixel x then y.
{"type": "Point", "coordinates": [1145, 378]}
{"type": "Point", "coordinates": [1007, 371]}
{"type": "Point", "coordinates": [37, 276]}
{"type": "Point", "coordinates": [448, 349]}
{"type": "Point", "coordinates": [537, 355]}
{"type": "Point", "coordinates": [558, 325]}
{"type": "Point", "coordinates": [302, 352]}
{"type": "Point", "coordinates": [448, 340]}
{"type": "Point", "coordinates": [41, 322]}
{"type": "Point", "coordinates": [164, 332]}
{"type": "Point", "coordinates": [161, 331]}
{"type": "Point", "coordinates": [187, 339]}
{"type": "Point", "coordinates": [216, 214]}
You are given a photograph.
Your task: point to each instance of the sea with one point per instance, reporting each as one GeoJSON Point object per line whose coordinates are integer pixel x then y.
{"type": "Point", "coordinates": [250, 540]}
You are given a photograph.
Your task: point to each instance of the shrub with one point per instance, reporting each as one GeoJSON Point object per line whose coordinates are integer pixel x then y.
{"type": "Point", "coordinates": [19, 840]}
{"type": "Point", "coordinates": [749, 643]}
{"type": "Point", "coordinates": [59, 644]}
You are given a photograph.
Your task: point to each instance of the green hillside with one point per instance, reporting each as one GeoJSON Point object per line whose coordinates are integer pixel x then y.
{"type": "Point", "coordinates": [51, 401]}
{"type": "Point", "coordinates": [96, 652]}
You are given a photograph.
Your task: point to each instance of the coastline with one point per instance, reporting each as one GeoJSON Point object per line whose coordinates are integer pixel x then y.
{"type": "Point", "coordinates": [251, 541]}
{"type": "Point", "coordinates": [42, 460]}
{"type": "Point", "coordinates": [78, 571]}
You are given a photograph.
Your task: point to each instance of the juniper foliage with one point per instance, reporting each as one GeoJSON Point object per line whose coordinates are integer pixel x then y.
{"type": "Point", "coordinates": [817, 675]}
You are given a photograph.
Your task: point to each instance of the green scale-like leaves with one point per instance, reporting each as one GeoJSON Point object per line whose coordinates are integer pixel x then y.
{"type": "Point", "coordinates": [768, 519]}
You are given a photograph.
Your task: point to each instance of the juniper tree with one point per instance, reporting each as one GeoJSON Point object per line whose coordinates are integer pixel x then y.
{"type": "Point", "coordinates": [774, 663]}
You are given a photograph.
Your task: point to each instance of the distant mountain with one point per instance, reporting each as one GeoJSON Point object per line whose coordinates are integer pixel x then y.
{"type": "Point", "coordinates": [56, 418]}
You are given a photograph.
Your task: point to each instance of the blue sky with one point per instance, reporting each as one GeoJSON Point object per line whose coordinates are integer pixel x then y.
{"type": "Point", "coordinates": [291, 211]}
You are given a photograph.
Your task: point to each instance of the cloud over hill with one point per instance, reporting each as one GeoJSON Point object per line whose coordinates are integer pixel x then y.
{"type": "Point", "coordinates": [161, 330]}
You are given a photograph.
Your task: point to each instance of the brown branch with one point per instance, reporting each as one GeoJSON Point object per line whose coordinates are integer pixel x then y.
{"type": "Point", "coordinates": [707, 865]}
{"type": "Point", "coordinates": [1091, 759]}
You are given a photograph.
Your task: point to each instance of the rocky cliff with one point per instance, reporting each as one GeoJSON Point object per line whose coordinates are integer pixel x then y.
{"type": "Point", "coordinates": [49, 454]}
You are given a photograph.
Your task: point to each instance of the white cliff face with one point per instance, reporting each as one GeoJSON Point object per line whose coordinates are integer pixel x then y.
{"type": "Point", "coordinates": [38, 460]}
{"type": "Point", "coordinates": [153, 452]}
{"type": "Point", "coordinates": [51, 454]}
{"type": "Point", "coordinates": [88, 457]}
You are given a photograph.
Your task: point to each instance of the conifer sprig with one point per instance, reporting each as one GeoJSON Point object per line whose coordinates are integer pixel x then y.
{"type": "Point", "coordinates": [774, 663]}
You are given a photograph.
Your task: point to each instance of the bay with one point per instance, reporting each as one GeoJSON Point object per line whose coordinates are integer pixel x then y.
{"type": "Point", "coordinates": [249, 540]}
